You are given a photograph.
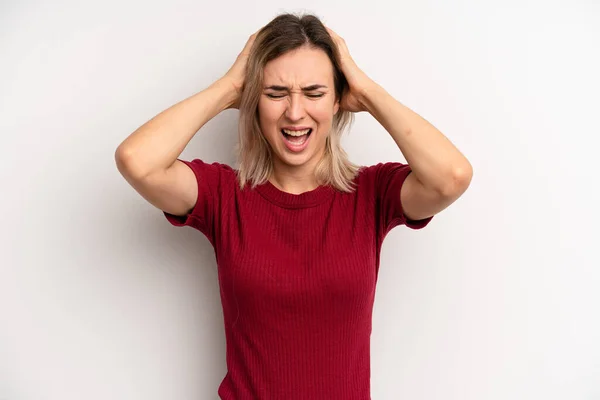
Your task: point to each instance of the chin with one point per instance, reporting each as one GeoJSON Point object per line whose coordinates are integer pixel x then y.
{"type": "Point", "coordinates": [295, 160]}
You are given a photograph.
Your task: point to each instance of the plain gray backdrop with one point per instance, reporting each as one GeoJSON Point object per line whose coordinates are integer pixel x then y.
{"type": "Point", "coordinates": [100, 298]}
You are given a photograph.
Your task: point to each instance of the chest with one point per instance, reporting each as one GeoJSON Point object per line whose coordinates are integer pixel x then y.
{"type": "Point", "coordinates": [299, 259]}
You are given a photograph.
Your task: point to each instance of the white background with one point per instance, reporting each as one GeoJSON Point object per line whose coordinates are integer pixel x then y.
{"type": "Point", "coordinates": [498, 298]}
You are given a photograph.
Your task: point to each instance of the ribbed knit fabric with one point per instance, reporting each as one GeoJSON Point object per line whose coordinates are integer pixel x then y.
{"type": "Point", "coordinates": [297, 276]}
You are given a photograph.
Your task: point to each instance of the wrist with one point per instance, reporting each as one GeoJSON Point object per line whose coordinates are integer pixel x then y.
{"type": "Point", "coordinates": [227, 93]}
{"type": "Point", "coordinates": [369, 94]}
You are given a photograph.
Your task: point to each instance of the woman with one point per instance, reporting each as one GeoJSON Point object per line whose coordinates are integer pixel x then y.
{"type": "Point", "coordinates": [297, 228]}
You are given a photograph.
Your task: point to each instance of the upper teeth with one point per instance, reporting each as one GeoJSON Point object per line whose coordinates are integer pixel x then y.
{"type": "Point", "coordinates": [296, 133]}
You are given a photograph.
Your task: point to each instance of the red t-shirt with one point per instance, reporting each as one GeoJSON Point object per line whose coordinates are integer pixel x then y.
{"type": "Point", "coordinates": [297, 276]}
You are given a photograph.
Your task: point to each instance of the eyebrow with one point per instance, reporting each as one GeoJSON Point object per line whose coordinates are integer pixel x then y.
{"type": "Point", "coordinates": [285, 88]}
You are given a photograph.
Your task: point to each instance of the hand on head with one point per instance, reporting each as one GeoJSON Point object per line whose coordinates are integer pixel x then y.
{"type": "Point", "coordinates": [358, 81]}
{"type": "Point", "coordinates": [237, 73]}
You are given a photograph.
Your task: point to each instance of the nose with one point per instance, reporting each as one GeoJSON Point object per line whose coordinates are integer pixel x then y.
{"type": "Point", "coordinates": [295, 108]}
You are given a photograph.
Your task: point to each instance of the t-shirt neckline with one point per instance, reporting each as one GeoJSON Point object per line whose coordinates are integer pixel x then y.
{"type": "Point", "coordinates": [310, 198]}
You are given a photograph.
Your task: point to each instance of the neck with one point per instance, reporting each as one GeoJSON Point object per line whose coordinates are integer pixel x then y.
{"type": "Point", "coordinates": [293, 183]}
{"type": "Point", "coordinates": [294, 179]}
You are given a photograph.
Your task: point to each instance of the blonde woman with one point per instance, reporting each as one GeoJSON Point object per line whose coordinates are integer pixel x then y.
{"type": "Point", "coordinates": [297, 228]}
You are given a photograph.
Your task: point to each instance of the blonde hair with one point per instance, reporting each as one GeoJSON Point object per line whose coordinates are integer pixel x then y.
{"type": "Point", "coordinates": [285, 33]}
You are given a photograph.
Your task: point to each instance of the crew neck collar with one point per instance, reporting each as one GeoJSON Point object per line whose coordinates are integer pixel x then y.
{"type": "Point", "coordinates": [283, 199]}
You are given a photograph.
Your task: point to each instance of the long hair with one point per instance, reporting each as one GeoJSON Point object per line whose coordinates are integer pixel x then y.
{"type": "Point", "coordinates": [285, 33]}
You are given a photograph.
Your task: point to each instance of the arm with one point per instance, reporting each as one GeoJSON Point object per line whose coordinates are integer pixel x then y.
{"type": "Point", "coordinates": [440, 173]}
{"type": "Point", "coordinates": [147, 159]}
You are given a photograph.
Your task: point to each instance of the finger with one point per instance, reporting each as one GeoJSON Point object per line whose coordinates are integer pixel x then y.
{"type": "Point", "coordinates": [250, 42]}
{"type": "Point", "coordinates": [254, 35]}
{"type": "Point", "coordinates": [331, 32]}
{"type": "Point", "coordinates": [339, 41]}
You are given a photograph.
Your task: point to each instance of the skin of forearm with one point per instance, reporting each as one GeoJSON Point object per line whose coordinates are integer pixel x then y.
{"type": "Point", "coordinates": [158, 143]}
{"type": "Point", "coordinates": [436, 162]}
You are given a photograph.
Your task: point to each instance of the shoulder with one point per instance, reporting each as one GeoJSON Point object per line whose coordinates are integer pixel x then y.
{"type": "Point", "coordinates": [197, 163]}
{"type": "Point", "coordinates": [376, 173]}
{"type": "Point", "coordinates": [211, 169]}
{"type": "Point", "coordinates": [212, 176]}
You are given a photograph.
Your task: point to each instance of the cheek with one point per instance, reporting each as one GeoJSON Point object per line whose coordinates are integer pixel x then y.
{"type": "Point", "coordinates": [269, 113]}
{"type": "Point", "coordinates": [269, 110]}
{"type": "Point", "coordinates": [322, 112]}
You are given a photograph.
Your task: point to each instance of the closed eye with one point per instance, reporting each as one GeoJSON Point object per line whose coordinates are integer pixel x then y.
{"type": "Point", "coordinates": [279, 96]}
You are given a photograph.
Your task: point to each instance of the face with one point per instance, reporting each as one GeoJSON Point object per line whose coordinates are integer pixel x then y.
{"type": "Point", "coordinates": [297, 106]}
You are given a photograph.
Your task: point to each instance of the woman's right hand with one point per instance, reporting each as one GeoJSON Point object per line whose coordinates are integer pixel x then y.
{"type": "Point", "coordinates": [237, 73]}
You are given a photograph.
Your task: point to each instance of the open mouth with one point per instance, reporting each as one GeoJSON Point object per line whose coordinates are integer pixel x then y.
{"type": "Point", "coordinates": [296, 138]}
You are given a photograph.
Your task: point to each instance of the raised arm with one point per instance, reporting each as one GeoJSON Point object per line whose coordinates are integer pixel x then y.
{"type": "Point", "coordinates": [440, 172]}
{"type": "Point", "coordinates": [147, 158]}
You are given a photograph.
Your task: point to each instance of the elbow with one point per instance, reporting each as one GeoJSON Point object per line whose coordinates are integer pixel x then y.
{"type": "Point", "coordinates": [459, 181]}
{"type": "Point", "coordinates": [122, 158]}
{"type": "Point", "coordinates": [125, 162]}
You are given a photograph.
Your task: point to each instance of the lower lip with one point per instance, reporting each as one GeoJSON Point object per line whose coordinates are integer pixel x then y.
{"type": "Point", "coordinates": [295, 148]}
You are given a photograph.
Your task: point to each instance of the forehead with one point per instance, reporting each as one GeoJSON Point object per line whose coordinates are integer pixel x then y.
{"type": "Point", "coordinates": [298, 67]}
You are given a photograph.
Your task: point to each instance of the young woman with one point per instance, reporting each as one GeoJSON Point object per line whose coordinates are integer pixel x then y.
{"type": "Point", "coordinates": [297, 228]}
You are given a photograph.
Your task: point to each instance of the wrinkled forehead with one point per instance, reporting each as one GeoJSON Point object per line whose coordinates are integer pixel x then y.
{"type": "Point", "coordinates": [299, 68]}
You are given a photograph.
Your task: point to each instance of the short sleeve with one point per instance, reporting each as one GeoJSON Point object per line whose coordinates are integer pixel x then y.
{"type": "Point", "coordinates": [209, 179]}
{"type": "Point", "coordinates": [389, 178]}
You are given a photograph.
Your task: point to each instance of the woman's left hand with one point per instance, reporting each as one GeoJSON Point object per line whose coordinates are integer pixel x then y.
{"type": "Point", "coordinates": [358, 81]}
